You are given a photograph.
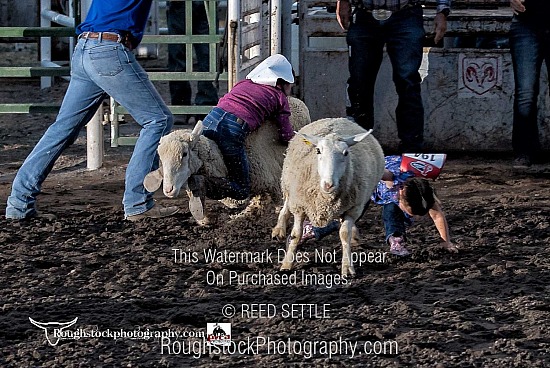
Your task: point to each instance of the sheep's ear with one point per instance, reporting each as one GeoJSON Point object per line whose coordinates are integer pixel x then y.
{"type": "Point", "coordinates": [197, 130]}
{"type": "Point", "coordinates": [153, 180]}
{"type": "Point", "coordinates": [196, 134]}
{"type": "Point", "coordinates": [350, 141]}
{"type": "Point", "coordinates": [308, 139]}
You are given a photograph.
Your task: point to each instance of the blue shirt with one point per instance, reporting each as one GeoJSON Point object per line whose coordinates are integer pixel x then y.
{"type": "Point", "coordinates": [118, 16]}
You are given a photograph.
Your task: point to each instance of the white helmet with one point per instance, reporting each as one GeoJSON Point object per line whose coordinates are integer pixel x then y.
{"type": "Point", "coordinates": [268, 71]}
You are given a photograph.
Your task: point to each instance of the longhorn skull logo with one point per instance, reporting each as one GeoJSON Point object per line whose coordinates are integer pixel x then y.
{"type": "Point", "coordinates": [52, 330]}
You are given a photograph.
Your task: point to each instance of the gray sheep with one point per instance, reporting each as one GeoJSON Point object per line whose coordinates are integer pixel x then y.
{"type": "Point", "coordinates": [330, 170]}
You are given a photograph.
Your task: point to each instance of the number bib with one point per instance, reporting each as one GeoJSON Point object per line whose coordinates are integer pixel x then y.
{"type": "Point", "coordinates": [426, 165]}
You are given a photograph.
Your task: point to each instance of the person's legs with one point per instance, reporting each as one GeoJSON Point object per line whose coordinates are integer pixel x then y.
{"type": "Point", "coordinates": [394, 226]}
{"type": "Point", "coordinates": [180, 91]}
{"type": "Point", "coordinates": [394, 220]}
{"type": "Point", "coordinates": [527, 58]}
{"type": "Point", "coordinates": [80, 103]}
{"type": "Point", "coordinates": [206, 92]}
{"type": "Point", "coordinates": [115, 69]}
{"type": "Point", "coordinates": [366, 45]}
{"type": "Point", "coordinates": [405, 48]}
{"type": "Point", "coordinates": [229, 135]}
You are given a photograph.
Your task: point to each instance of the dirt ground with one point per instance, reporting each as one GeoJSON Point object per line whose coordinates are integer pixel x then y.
{"type": "Point", "coordinates": [487, 306]}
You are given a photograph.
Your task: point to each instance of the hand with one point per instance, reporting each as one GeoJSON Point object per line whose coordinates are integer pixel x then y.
{"type": "Point", "coordinates": [449, 246]}
{"type": "Point", "coordinates": [440, 23]}
{"type": "Point", "coordinates": [517, 6]}
{"type": "Point", "coordinates": [343, 13]}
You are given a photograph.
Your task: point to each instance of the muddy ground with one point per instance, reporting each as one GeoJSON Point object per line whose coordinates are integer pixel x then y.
{"type": "Point", "coordinates": [487, 306]}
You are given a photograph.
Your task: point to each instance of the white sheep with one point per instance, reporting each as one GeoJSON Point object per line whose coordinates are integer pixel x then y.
{"type": "Point", "coordinates": [330, 170]}
{"type": "Point", "coordinates": [184, 153]}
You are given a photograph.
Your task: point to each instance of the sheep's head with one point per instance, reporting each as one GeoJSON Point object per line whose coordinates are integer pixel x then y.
{"type": "Point", "coordinates": [178, 161]}
{"type": "Point", "coordinates": [332, 157]}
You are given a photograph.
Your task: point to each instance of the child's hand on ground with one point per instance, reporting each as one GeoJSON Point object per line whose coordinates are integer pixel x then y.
{"type": "Point", "coordinates": [449, 246]}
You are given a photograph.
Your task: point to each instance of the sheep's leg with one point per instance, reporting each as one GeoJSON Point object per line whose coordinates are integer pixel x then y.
{"type": "Point", "coordinates": [354, 236]}
{"type": "Point", "coordinates": [346, 232]}
{"type": "Point", "coordinates": [279, 231]}
{"type": "Point", "coordinates": [295, 236]}
{"type": "Point", "coordinates": [196, 207]}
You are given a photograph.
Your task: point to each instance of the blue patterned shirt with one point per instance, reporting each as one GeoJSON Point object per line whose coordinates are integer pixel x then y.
{"type": "Point", "coordinates": [385, 195]}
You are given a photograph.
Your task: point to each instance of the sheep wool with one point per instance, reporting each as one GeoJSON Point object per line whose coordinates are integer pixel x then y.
{"type": "Point", "coordinates": [266, 151]}
{"type": "Point", "coordinates": [330, 171]}
{"type": "Point", "coordinates": [300, 180]}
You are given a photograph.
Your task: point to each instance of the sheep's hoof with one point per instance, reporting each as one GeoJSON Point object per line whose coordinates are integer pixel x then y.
{"type": "Point", "coordinates": [196, 208]}
{"type": "Point", "coordinates": [286, 267]}
{"type": "Point", "coordinates": [278, 233]}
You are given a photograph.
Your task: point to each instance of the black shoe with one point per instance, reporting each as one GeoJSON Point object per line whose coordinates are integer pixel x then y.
{"type": "Point", "coordinates": [522, 162]}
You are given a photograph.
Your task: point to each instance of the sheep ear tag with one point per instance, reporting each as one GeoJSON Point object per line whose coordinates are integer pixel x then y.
{"type": "Point", "coordinates": [307, 142]}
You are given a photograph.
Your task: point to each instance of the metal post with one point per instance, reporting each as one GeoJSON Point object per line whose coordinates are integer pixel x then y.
{"type": "Point", "coordinates": [233, 11]}
{"type": "Point", "coordinates": [45, 43]}
{"type": "Point", "coordinates": [275, 26]}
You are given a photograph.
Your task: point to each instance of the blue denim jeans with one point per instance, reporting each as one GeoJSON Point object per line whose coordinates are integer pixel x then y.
{"type": "Point", "coordinates": [403, 35]}
{"type": "Point", "coordinates": [529, 47]}
{"type": "Point", "coordinates": [229, 134]}
{"type": "Point", "coordinates": [98, 69]}
{"type": "Point", "coordinates": [395, 221]}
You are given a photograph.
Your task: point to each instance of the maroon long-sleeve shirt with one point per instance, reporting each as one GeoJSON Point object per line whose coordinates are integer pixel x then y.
{"type": "Point", "coordinates": [255, 103]}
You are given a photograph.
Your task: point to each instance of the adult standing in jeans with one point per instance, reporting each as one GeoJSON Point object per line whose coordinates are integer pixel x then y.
{"type": "Point", "coordinates": [180, 91]}
{"type": "Point", "coordinates": [530, 46]}
{"type": "Point", "coordinates": [102, 64]}
{"type": "Point", "coordinates": [398, 25]}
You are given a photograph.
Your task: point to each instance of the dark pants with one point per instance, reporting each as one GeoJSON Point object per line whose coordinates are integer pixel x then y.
{"type": "Point", "coordinates": [403, 35]}
{"type": "Point", "coordinates": [180, 91]}
{"type": "Point", "coordinates": [224, 129]}
{"type": "Point", "coordinates": [529, 47]}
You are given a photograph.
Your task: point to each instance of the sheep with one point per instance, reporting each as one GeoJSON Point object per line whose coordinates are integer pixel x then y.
{"type": "Point", "coordinates": [330, 170]}
{"type": "Point", "coordinates": [183, 153]}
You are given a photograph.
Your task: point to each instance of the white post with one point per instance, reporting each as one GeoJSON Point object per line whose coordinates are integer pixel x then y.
{"type": "Point", "coordinates": [94, 141]}
{"type": "Point", "coordinates": [233, 16]}
{"type": "Point", "coordinates": [94, 128]}
{"type": "Point", "coordinates": [275, 26]}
